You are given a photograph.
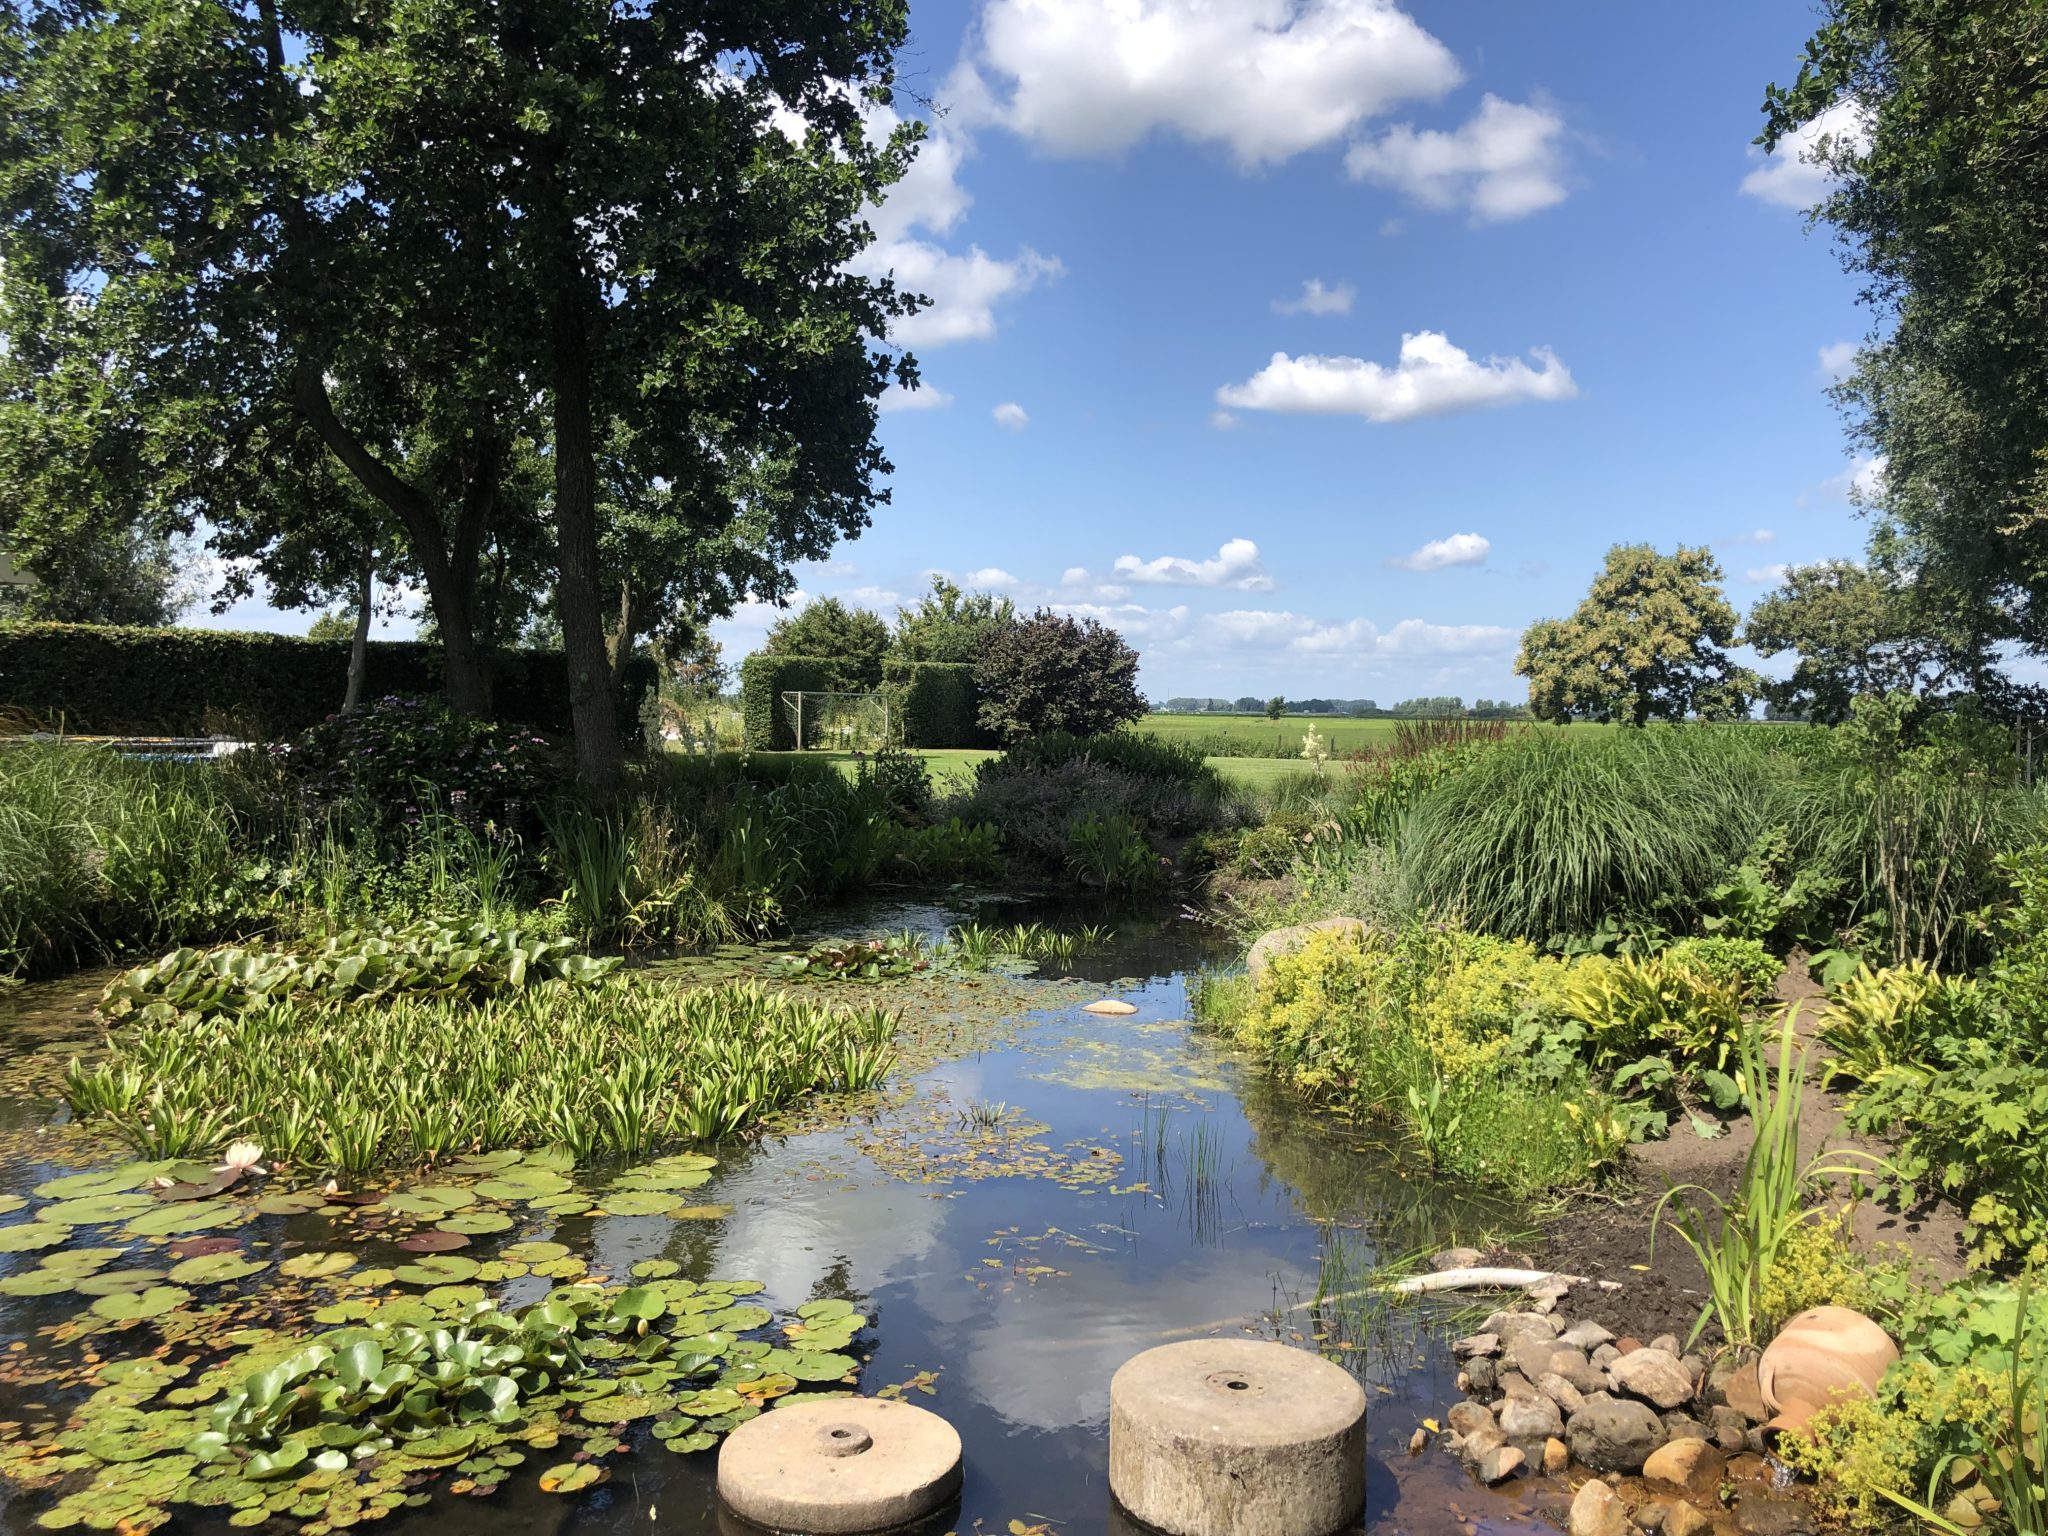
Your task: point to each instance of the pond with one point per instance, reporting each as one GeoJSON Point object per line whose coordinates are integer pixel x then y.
{"type": "Point", "coordinates": [1038, 1196]}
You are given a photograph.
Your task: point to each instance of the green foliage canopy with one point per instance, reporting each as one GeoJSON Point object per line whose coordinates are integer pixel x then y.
{"type": "Point", "coordinates": [1939, 203]}
{"type": "Point", "coordinates": [1054, 672]}
{"type": "Point", "coordinates": [850, 640]}
{"type": "Point", "coordinates": [1649, 642]}
{"type": "Point", "coordinates": [949, 625]}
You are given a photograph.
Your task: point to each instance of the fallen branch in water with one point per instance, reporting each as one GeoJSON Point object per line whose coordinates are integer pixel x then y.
{"type": "Point", "coordinates": [1489, 1279]}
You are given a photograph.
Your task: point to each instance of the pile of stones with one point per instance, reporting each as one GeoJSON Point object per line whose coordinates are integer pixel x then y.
{"type": "Point", "coordinates": [1665, 1434]}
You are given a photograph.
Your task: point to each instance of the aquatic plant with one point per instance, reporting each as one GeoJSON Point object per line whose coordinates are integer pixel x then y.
{"type": "Point", "coordinates": [619, 1065]}
{"type": "Point", "coordinates": [899, 954]}
{"type": "Point", "coordinates": [428, 956]}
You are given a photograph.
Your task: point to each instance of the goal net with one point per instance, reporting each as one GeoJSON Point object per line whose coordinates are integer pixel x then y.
{"type": "Point", "coordinates": [837, 722]}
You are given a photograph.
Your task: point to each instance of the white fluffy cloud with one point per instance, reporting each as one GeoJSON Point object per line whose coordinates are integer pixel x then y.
{"type": "Point", "coordinates": [924, 398]}
{"type": "Point", "coordinates": [1442, 554]}
{"type": "Point", "coordinates": [1316, 299]}
{"type": "Point", "coordinates": [1505, 163]}
{"type": "Point", "coordinates": [1237, 564]}
{"type": "Point", "coordinates": [1794, 175]}
{"type": "Point", "coordinates": [1267, 79]}
{"type": "Point", "coordinates": [964, 286]}
{"type": "Point", "coordinates": [1012, 415]}
{"type": "Point", "coordinates": [1765, 575]}
{"type": "Point", "coordinates": [990, 578]}
{"type": "Point", "coordinates": [1836, 359]}
{"type": "Point", "coordinates": [1432, 378]}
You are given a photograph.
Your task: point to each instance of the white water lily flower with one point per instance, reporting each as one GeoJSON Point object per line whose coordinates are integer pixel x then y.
{"type": "Point", "coordinates": [243, 1155]}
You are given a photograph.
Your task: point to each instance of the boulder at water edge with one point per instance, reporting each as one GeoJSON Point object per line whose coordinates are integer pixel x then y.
{"type": "Point", "coordinates": [1284, 941]}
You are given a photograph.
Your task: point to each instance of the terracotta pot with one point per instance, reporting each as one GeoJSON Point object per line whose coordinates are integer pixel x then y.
{"type": "Point", "coordinates": [1823, 1354]}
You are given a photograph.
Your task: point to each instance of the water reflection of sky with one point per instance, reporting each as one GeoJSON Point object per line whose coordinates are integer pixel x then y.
{"type": "Point", "coordinates": [1245, 1193]}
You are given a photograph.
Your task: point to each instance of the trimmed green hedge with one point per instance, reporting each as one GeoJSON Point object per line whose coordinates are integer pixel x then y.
{"type": "Point", "coordinates": [763, 681]}
{"type": "Point", "coordinates": [99, 679]}
{"type": "Point", "coordinates": [935, 704]}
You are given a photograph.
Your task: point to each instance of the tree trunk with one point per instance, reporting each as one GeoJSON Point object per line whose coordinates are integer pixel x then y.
{"type": "Point", "coordinates": [600, 759]}
{"type": "Point", "coordinates": [359, 645]}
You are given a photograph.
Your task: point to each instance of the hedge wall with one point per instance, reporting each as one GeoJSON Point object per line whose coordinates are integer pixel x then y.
{"type": "Point", "coordinates": [105, 680]}
{"type": "Point", "coordinates": [763, 681]}
{"type": "Point", "coordinates": [935, 703]}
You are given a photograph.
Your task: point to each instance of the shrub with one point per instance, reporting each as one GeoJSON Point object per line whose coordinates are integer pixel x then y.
{"type": "Point", "coordinates": [936, 704]}
{"type": "Point", "coordinates": [1140, 757]}
{"type": "Point", "coordinates": [397, 758]}
{"type": "Point", "coordinates": [1420, 1028]}
{"type": "Point", "coordinates": [901, 780]}
{"type": "Point", "coordinates": [763, 681]}
{"type": "Point", "coordinates": [1053, 672]}
{"type": "Point", "coordinates": [188, 682]}
{"type": "Point", "coordinates": [1743, 964]}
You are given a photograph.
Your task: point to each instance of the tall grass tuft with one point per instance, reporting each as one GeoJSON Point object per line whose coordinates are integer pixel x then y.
{"type": "Point", "coordinates": [1542, 835]}
{"type": "Point", "coordinates": [100, 854]}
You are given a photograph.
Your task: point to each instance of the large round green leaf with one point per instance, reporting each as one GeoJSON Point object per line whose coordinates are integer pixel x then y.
{"type": "Point", "coordinates": [216, 1269]}
{"type": "Point", "coordinates": [95, 1210]}
{"type": "Point", "coordinates": [188, 1216]}
{"type": "Point", "coordinates": [437, 1269]}
{"type": "Point", "coordinates": [154, 1302]}
{"type": "Point", "coordinates": [320, 1264]}
{"type": "Point", "coordinates": [476, 1223]}
{"type": "Point", "coordinates": [28, 1236]}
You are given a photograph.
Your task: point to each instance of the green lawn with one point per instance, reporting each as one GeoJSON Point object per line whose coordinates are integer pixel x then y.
{"type": "Point", "coordinates": [953, 768]}
{"type": "Point", "coordinates": [1342, 733]}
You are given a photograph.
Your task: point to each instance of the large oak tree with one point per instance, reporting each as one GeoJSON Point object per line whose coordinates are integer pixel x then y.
{"type": "Point", "coordinates": [332, 275]}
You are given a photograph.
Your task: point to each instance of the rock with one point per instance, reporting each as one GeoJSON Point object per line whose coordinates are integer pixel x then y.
{"type": "Point", "coordinates": [1488, 1456]}
{"type": "Point", "coordinates": [1469, 1418]}
{"type": "Point", "coordinates": [1727, 1428]}
{"type": "Point", "coordinates": [1605, 1354]}
{"type": "Point", "coordinates": [1483, 1376]}
{"type": "Point", "coordinates": [1418, 1442]}
{"type": "Point", "coordinates": [1683, 1426]}
{"type": "Point", "coordinates": [1465, 1382]}
{"type": "Point", "coordinates": [1597, 1510]}
{"type": "Point", "coordinates": [1682, 1519]}
{"type": "Point", "coordinates": [1772, 1514]}
{"type": "Point", "coordinates": [1681, 1463]}
{"type": "Point", "coordinates": [1695, 1367]}
{"type": "Point", "coordinates": [1588, 1335]}
{"type": "Point", "coordinates": [1649, 1517]}
{"type": "Point", "coordinates": [1628, 1344]}
{"type": "Point", "coordinates": [1109, 1005]}
{"type": "Point", "coordinates": [1749, 1467]}
{"type": "Point", "coordinates": [1732, 1381]}
{"type": "Point", "coordinates": [1514, 1326]}
{"type": "Point", "coordinates": [845, 1464]}
{"type": "Point", "coordinates": [1456, 1258]}
{"type": "Point", "coordinates": [1654, 1375]}
{"type": "Point", "coordinates": [1531, 1356]}
{"type": "Point", "coordinates": [1499, 1464]}
{"type": "Point", "coordinates": [1531, 1418]}
{"type": "Point", "coordinates": [1556, 1457]}
{"type": "Point", "coordinates": [1568, 1398]}
{"type": "Point", "coordinates": [1575, 1368]}
{"type": "Point", "coordinates": [1284, 941]}
{"type": "Point", "coordinates": [1476, 1346]}
{"type": "Point", "coordinates": [1611, 1434]}
{"type": "Point", "coordinates": [1515, 1384]}
{"type": "Point", "coordinates": [1668, 1342]}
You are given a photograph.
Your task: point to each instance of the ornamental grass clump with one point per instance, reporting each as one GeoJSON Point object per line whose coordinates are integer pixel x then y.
{"type": "Point", "coordinates": [618, 1066]}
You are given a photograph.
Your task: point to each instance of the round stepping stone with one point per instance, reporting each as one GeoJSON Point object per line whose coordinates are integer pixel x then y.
{"type": "Point", "coordinates": [844, 1465]}
{"type": "Point", "coordinates": [1109, 1005]}
{"type": "Point", "coordinates": [1232, 1437]}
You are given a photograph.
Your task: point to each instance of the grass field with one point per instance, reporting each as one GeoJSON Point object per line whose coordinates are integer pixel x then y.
{"type": "Point", "coordinates": [1340, 732]}
{"type": "Point", "coordinates": [955, 769]}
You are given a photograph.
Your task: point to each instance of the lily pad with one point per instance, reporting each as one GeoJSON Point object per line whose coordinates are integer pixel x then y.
{"type": "Point", "coordinates": [216, 1269]}
{"type": "Point", "coordinates": [433, 1242]}
{"type": "Point", "coordinates": [133, 1305]}
{"type": "Point", "coordinates": [738, 1319]}
{"type": "Point", "coordinates": [437, 1269]}
{"type": "Point", "coordinates": [571, 1477]}
{"type": "Point", "coordinates": [824, 1311]}
{"type": "Point", "coordinates": [536, 1252]}
{"type": "Point", "coordinates": [109, 1181]}
{"type": "Point", "coordinates": [38, 1282]}
{"type": "Point", "coordinates": [194, 1216]}
{"type": "Point", "coordinates": [476, 1223]}
{"type": "Point", "coordinates": [655, 1269]}
{"type": "Point", "coordinates": [291, 1202]}
{"type": "Point", "coordinates": [434, 1200]}
{"type": "Point", "coordinates": [83, 1261]}
{"type": "Point", "coordinates": [320, 1264]}
{"type": "Point", "coordinates": [10, 1204]}
{"type": "Point", "coordinates": [28, 1236]}
{"type": "Point", "coordinates": [702, 1212]}
{"type": "Point", "coordinates": [199, 1247]}
{"type": "Point", "coordinates": [96, 1210]}
{"type": "Point", "coordinates": [444, 1445]}
{"type": "Point", "coordinates": [635, 1202]}
{"type": "Point", "coordinates": [522, 1184]}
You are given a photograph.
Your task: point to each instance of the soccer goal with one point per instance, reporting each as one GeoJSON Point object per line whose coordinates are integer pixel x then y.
{"type": "Point", "coordinates": [837, 722]}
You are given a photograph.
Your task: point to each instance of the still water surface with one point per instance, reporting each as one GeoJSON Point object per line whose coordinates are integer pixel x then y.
{"type": "Point", "coordinates": [1069, 1190]}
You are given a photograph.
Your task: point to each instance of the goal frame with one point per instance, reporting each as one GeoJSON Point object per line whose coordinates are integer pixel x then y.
{"type": "Point", "coordinates": [793, 705]}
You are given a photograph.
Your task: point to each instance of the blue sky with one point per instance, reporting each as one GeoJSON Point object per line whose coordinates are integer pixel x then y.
{"type": "Point", "coordinates": [1137, 406]}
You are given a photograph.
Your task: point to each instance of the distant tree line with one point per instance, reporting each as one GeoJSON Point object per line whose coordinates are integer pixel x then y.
{"type": "Point", "coordinates": [1430, 707]}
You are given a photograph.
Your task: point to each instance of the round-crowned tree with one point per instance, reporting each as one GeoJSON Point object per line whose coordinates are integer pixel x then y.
{"type": "Point", "coordinates": [1054, 672]}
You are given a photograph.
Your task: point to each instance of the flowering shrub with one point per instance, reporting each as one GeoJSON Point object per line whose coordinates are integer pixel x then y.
{"type": "Point", "coordinates": [399, 758]}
